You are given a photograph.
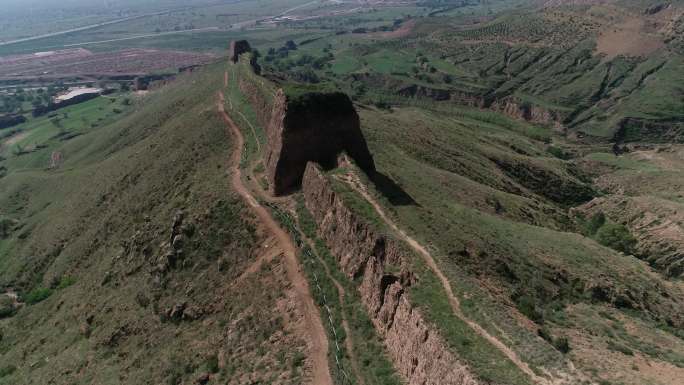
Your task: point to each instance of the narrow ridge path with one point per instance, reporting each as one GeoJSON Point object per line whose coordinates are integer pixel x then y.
{"type": "Point", "coordinates": [262, 194]}
{"type": "Point", "coordinates": [314, 327]}
{"type": "Point", "coordinates": [353, 182]}
{"type": "Point", "coordinates": [341, 294]}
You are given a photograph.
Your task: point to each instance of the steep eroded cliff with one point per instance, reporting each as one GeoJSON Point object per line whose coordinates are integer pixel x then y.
{"type": "Point", "coordinates": [382, 267]}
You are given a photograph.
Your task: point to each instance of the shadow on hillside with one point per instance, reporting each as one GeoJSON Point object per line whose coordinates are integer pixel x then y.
{"type": "Point", "coordinates": [392, 191]}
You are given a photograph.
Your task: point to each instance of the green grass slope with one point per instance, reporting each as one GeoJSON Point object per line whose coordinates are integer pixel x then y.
{"type": "Point", "coordinates": [106, 299]}
{"type": "Point", "coordinates": [511, 249]}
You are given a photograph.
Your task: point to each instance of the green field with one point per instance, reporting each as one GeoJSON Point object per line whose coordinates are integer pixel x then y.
{"type": "Point", "coordinates": [32, 146]}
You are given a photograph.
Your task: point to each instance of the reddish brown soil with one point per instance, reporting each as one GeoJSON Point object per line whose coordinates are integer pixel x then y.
{"type": "Point", "coordinates": [629, 38]}
{"type": "Point", "coordinates": [83, 62]}
{"type": "Point", "coordinates": [318, 352]}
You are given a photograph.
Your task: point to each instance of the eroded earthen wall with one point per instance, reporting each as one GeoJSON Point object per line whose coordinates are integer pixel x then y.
{"type": "Point", "coordinates": [419, 353]}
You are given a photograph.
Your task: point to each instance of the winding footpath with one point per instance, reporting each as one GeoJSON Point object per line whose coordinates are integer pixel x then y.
{"type": "Point", "coordinates": [318, 352]}
{"type": "Point", "coordinates": [354, 183]}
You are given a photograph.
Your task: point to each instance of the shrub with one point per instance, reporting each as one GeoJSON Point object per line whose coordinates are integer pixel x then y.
{"type": "Point", "coordinates": [620, 348]}
{"type": "Point", "coordinates": [544, 333]}
{"type": "Point", "coordinates": [37, 295]}
{"type": "Point", "coordinates": [527, 306]}
{"type": "Point", "coordinates": [382, 105]}
{"type": "Point", "coordinates": [6, 307]}
{"type": "Point", "coordinates": [7, 370]}
{"type": "Point", "coordinates": [616, 236]}
{"type": "Point", "coordinates": [65, 282]}
{"type": "Point", "coordinates": [558, 152]}
{"type": "Point", "coordinates": [594, 224]}
{"type": "Point", "coordinates": [298, 360]}
{"type": "Point", "coordinates": [562, 344]}
{"type": "Point", "coordinates": [7, 225]}
{"type": "Point", "coordinates": [212, 364]}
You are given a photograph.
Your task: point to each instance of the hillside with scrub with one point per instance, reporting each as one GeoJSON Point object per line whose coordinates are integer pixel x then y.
{"type": "Point", "coordinates": [134, 241]}
{"type": "Point", "coordinates": [429, 192]}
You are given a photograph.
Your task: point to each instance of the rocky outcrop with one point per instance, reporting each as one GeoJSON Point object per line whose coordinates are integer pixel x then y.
{"type": "Point", "coordinates": [382, 267]}
{"type": "Point", "coordinates": [314, 127]}
{"type": "Point", "coordinates": [526, 111]}
{"type": "Point", "coordinates": [307, 127]}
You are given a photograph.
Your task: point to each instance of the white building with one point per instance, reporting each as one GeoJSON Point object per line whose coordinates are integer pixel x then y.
{"type": "Point", "coordinates": [77, 91]}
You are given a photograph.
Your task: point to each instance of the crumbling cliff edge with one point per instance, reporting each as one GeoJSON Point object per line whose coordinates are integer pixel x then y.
{"type": "Point", "coordinates": [382, 267]}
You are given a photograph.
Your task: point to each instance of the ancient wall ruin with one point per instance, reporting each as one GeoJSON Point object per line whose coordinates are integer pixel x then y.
{"type": "Point", "coordinates": [237, 48]}
{"type": "Point", "coordinates": [314, 127]}
{"type": "Point", "coordinates": [311, 127]}
{"type": "Point", "coordinates": [382, 267]}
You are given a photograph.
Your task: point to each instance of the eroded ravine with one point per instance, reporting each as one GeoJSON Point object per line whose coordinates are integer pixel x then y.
{"type": "Point", "coordinates": [318, 352]}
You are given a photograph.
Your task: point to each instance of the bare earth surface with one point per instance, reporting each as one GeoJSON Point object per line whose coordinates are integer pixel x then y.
{"type": "Point", "coordinates": [314, 328]}
{"type": "Point", "coordinates": [81, 61]}
{"type": "Point", "coordinates": [631, 37]}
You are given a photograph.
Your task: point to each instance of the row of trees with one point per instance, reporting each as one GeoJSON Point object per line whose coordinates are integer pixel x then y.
{"type": "Point", "coordinates": [14, 102]}
{"type": "Point", "coordinates": [302, 68]}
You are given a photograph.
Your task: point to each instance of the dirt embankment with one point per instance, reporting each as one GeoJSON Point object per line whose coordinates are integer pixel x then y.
{"type": "Point", "coordinates": [419, 353]}
{"type": "Point", "coordinates": [528, 112]}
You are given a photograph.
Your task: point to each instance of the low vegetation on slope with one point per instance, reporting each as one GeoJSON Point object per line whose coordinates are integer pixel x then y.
{"type": "Point", "coordinates": [490, 133]}
{"type": "Point", "coordinates": [508, 245]}
{"type": "Point", "coordinates": [492, 197]}
{"type": "Point", "coordinates": [128, 258]}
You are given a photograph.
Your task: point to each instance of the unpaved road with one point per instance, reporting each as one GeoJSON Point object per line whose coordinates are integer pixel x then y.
{"type": "Point", "coordinates": [314, 326]}
{"type": "Point", "coordinates": [143, 36]}
{"type": "Point", "coordinates": [83, 28]}
{"type": "Point", "coordinates": [353, 182]}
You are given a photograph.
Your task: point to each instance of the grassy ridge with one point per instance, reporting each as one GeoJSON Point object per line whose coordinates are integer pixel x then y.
{"type": "Point", "coordinates": [104, 220]}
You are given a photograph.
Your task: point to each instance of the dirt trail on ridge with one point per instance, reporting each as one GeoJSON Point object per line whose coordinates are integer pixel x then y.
{"type": "Point", "coordinates": [262, 194]}
{"type": "Point", "coordinates": [355, 183]}
{"type": "Point", "coordinates": [341, 295]}
{"type": "Point", "coordinates": [314, 328]}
